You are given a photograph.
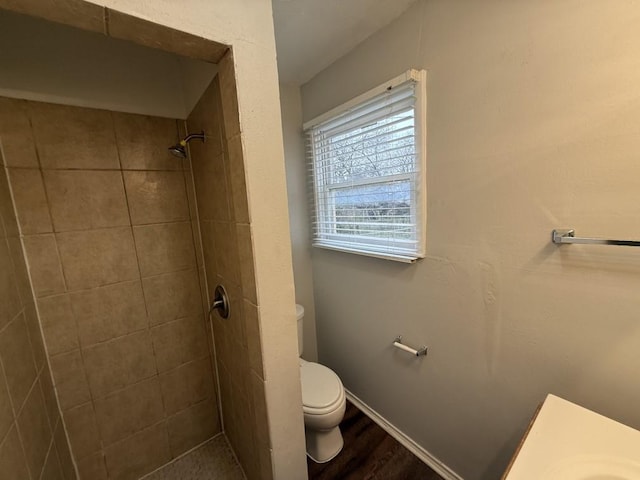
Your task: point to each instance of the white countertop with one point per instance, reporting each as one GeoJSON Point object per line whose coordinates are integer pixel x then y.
{"type": "Point", "coordinates": [569, 442]}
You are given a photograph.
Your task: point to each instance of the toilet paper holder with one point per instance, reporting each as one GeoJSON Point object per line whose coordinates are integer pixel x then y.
{"type": "Point", "coordinates": [420, 352]}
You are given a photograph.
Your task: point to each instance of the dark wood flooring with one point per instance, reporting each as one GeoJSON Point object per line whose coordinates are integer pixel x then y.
{"type": "Point", "coordinates": [369, 453]}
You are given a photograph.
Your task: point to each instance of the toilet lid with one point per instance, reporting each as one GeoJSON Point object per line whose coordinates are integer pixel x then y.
{"type": "Point", "coordinates": [321, 387]}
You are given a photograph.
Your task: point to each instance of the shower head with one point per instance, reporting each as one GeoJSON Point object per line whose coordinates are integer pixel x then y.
{"type": "Point", "coordinates": [179, 150]}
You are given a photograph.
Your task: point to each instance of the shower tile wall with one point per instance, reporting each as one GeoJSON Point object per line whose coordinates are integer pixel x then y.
{"type": "Point", "coordinates": [32, 438]}
{"type": "Point", "coordinates": [106, 221]}
{"type": "Point", "coordinates": [221, 194]}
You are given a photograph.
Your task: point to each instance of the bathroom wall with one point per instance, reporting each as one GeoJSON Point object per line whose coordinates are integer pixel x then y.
{"type": "Point", "coordinates": [533, 124]}
{"type": "Point", "coordinates": [221, 193]}
{"type": "Point", "coordinates": [32, 437]}
{"type": "Point", "coordinates": [291, 107]}
{"type": "Point", "coordinates": [106, 224]}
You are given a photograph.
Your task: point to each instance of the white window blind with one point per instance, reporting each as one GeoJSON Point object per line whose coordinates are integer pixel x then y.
{"type": "Point", "coordinates": [367, 171]}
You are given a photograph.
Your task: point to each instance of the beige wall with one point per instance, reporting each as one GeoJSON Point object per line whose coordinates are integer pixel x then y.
{"type": "Point", "coordinates": [106, 224]}
{"type": "Point", "coordinates": [218, 173]}
{"type": "Point", "coordinates": [532, 125]}
{"type": "Point", "coordinates": [32, 436]}
{"type": "Point", "coordinates": [99, 71]}
{"type": "Point", "coordinates": [291, 107]}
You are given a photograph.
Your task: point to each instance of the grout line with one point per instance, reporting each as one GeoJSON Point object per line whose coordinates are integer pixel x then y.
{"type": "Point", "coordinates": [111, 284]}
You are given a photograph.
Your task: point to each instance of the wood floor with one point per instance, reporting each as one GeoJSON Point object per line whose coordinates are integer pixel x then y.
{"type": "Point", "coordinates": [369, 453]}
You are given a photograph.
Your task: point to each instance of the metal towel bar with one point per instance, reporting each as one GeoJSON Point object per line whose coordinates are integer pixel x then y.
{"type": "Point", "coordinates": [569, 236]}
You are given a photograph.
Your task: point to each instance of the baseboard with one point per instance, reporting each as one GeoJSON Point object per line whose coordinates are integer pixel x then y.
{"type": "Point", "coordinates": [439, 467]}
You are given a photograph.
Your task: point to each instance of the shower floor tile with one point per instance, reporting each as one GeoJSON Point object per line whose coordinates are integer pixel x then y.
{"type": "Point", "coordinates": [212, 461]}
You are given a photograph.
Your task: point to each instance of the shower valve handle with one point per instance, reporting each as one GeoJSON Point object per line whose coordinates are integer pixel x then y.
{"type": "Point", "coordinates": [220, 302]}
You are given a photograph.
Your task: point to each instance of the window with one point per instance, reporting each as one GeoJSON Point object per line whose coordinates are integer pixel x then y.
{"type": "Point", "coordinates": [367, 162]}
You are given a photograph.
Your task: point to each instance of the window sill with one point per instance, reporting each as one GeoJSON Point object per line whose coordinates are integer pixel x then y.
{"type": "Point", "coordinates": [384, 256]}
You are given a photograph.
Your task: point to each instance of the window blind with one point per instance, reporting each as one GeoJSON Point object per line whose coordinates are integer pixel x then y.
{"type": "Point", "coordinates": [365, 171]}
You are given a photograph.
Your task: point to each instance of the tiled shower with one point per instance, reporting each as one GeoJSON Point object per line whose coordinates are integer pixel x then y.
{"type": "Point", "coordinates": [124, 245]}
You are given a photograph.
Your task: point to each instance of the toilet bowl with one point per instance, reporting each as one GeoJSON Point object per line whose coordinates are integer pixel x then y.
{"type": "Point", "coordinates": [323, 405]}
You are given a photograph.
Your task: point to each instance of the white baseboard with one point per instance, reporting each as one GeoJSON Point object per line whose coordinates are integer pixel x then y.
{"type": "Point", "coordinates": [439, 467]}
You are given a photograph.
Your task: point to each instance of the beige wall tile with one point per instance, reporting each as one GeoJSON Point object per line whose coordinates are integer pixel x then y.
{"type": "Point", "coordinates": [69, 379]}
{"type": "Point", "coordinates": [73, 137]}
{"type": "Point", "coordinates": [115, 364]}
{"type": "Point", "coordinates": [226, 251]}
{"type": "Point", "coordinates": [236, 178]}
{"type": "Point", "coordinates": [156, 197]}
{"type": "Point", "coordinates": [17, 359]}
{"type": "Point", "coordinates": [6, 412]}
{"type": "Point", "coordinates": [143, 142]}
{"type": "Point", "coordinates": [30, 200]}
{"type": "Point", "coordinates": [6, 206]}
{"type": "Point", "coordinates": [13, 464]}
{"type": "Point", "coordinates": [207, 116]}
{"type": "Point", "coordinates": [15, 134]}
{"type": "Point", "coordinates": [85, 199]}
{"type": "Point", "coordinates": [172, 296]}
{"type": "Point", "coordinates": [35, 334]}
{"type": "Point", "coordinates": [82, 428]}
{"type": "Point", "coordinates": [58, 324]}
{"type": "Point", "coordinates": [64, 455]}
{"type": "Point", "coordinates": [138, 454]}
{"type": "Point", "coordinates": [108, 312]}
{"type": "Point", "coordinates": [93, 467]}
{"type": "Point", "coordinates": [52, 470]}
{"type": "Point", "coordinates": [97, 257]}
{"type": "Point", "coordinates": [186, 385]}
{"type": "Point", "coordinates": [192, 426]}
{"type": "Point", "coordinates": [49, 397]}
{"type": "Point", "coordinates": [226, 397]}
{"type": "Point", "coordinates": [44, 264]}
{"type": "Point", "coordinates": [229, 96]}
{"type": "Point", "coordinates": [247, 270]}
{"type": "Point", "coordinates": [34, 431]}
{"type": "Point", "coordinates": [178, 342]}
{"type": "Point", "coordinates": [129, 411]}
{"type": "Point", "coordinates": [210, 183]}
{"type": "Point", "coordinates": [254, 346]}
{"type": "Point", "coordinates": [209, 249]}
{"type": "Point", "coordinates": [76, 13]}
{"type": "Point", "coordinates": [244, 442]}
{"type": "Point", "coordinates": [9, 295]}
{"type": "Point", "coordinates": [20, 270]}
{"type": "Point", "coordinates": [164, 248]}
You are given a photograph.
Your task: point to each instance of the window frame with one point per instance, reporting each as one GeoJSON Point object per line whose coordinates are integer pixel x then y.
{"type": "Point", "coordinates": [349, 243]}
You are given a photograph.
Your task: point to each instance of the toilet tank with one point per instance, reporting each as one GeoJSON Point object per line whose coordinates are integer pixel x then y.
{"type": "Point", "coordinates": [299, 317]}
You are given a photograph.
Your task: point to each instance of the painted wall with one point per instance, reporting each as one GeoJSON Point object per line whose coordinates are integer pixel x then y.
{"type": "Point", "coordinates": [533, 124]}
{"type": "Point", "coordinates": [291, 107]}
{"type": "Point", "coordinates": [75, 67]}
{"type": "Point", "coordinates": [248, 27]}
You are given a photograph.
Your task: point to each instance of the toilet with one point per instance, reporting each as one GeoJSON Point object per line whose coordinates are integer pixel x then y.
{"type": "Point", "coordinates": [323, 404]}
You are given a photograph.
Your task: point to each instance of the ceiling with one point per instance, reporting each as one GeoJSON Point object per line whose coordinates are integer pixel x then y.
{"type": "Point", "coordinates": [312, 34]}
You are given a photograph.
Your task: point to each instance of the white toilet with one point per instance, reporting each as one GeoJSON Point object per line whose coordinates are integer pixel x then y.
{"type": "Point", "coordinates": [323, 403]}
